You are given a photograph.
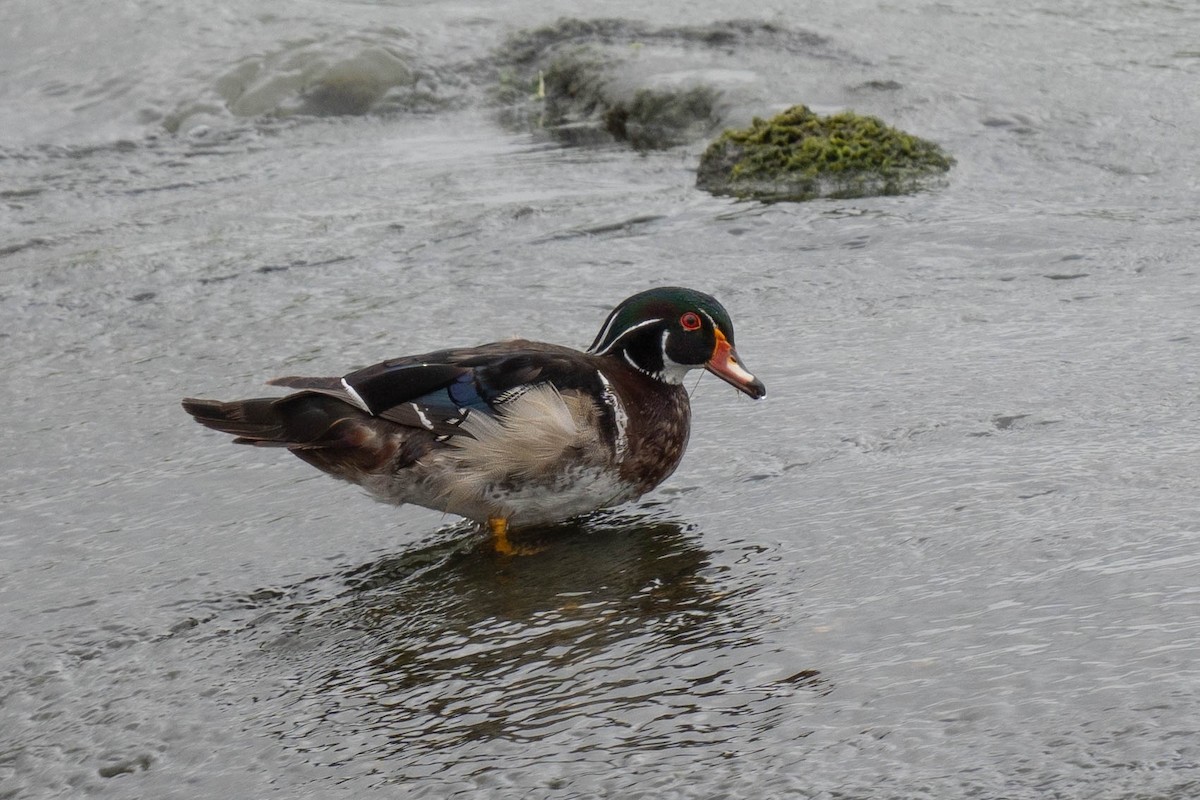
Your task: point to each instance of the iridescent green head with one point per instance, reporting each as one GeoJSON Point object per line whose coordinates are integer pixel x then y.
{"type": "Point", "coordinates": [668, 331]}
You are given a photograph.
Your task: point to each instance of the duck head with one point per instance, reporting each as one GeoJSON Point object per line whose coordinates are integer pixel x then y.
{"type": "Point", "coordinates": [668, 331]}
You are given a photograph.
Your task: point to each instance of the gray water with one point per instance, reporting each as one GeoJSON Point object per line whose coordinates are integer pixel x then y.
{"type": "Point", "coordinates": [953, 554]}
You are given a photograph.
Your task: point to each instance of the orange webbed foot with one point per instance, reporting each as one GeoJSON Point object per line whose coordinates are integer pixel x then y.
{"type": "Point", "coordinates": [500, 542]}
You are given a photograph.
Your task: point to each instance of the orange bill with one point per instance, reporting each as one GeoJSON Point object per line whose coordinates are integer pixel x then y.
{"type": "Point", "coordinates": [726, 366]}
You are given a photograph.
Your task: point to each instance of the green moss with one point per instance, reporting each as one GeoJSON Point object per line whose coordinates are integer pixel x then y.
{"type": "Point", "coordinates": [799, 155]}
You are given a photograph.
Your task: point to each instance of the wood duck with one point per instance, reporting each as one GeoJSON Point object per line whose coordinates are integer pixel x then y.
{"type": "Point", "coordinates": [517, 432]}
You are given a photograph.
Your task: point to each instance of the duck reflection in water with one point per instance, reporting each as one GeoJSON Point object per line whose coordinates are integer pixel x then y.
{"type": "Point", "coordinates": [590, 582]}
{"type": "Point", "coordinates": [615, 621]}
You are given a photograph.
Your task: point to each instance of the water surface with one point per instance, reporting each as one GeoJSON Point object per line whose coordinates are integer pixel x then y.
{"type": "Point", "coordinates": [952, 554]}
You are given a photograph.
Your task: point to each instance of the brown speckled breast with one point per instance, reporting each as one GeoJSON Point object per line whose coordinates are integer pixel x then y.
{"type": "Point", "coordinates": [659, 420]}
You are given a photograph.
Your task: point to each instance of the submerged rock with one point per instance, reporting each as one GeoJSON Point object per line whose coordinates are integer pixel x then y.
{"type": "Point", "coordinates": [317, 80]}
{"type": "Point", "coordinates": [799, 155]}
{"type": "Point", "coordinates": [657, 118]}
{"type": "Point", "coordinates": [586, 98]}
{"type": "Point", "coordinates": [343, 77]}
{"type": "Point", "coordinates": [588, 81]}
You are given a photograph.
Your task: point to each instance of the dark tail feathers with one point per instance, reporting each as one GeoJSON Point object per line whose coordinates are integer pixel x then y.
{"type": "Point", "coordinates": [305, 420]}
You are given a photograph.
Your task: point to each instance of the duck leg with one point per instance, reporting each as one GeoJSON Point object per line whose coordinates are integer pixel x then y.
{"type": "Point", "coordinates": [499, 528]}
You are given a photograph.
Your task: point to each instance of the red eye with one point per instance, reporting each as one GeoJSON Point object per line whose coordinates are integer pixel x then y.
{"type": "Point", "coordinates": [690, 321]}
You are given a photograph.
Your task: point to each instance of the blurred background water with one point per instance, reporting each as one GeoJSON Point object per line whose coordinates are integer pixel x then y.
{"type": "Point", "coordinates": [953, 554]}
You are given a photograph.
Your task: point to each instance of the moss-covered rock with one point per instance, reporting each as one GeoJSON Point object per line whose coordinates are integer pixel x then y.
{"type": "Point", "coordinates": [799, 155]}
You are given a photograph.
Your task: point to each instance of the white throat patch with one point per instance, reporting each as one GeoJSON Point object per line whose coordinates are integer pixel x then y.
{"type": "Point", "coordinates": [672, 372]}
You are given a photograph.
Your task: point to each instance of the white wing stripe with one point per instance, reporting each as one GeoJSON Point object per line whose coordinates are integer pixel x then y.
{"type": "Point", "coordinates": [355, 398]}
{"type": "Point", "coordinates": [425, 423]}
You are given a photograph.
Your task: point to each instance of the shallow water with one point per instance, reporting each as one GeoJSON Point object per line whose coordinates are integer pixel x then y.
{"type": "Point", "coordinates": [954, 552]}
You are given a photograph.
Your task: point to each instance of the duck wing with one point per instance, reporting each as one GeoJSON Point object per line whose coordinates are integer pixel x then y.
{"type": "Point", "coordinates": [438, 391]}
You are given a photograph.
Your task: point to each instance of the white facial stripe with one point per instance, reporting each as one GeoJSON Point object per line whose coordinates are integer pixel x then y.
{"type": "Point", "coordinates": [355, 398]}
{"type": "Point", "coordinates": [625, 333]}
{"type": "Point", "coordinates": [608, 323]}
{"type": "Point", "coordinates": [673, 372]}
